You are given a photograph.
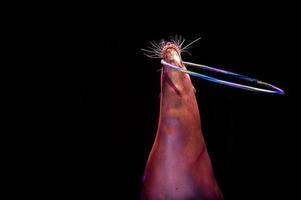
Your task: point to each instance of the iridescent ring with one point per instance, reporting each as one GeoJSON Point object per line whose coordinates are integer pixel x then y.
{"type": "Point", "coordinates": [271, 88]}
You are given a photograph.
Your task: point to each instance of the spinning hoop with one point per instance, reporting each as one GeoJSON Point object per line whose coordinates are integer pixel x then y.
{"type": "Point", "coordinates": [272, 89]}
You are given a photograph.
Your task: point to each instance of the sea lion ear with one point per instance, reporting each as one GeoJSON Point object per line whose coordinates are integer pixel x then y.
{"type": "Point", "coordinates": [194, 89]}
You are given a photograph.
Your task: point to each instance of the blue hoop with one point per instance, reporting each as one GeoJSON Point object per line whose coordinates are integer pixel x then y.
{"type": "Point", "coordinates": [272, 89]}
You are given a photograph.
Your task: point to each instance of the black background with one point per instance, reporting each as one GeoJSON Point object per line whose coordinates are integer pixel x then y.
{"type": "Point", "coordinates": [251, 137]}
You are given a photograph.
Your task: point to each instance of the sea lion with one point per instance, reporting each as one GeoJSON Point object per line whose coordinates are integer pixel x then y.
{"type": "Point", "coordinates": [178, 167]}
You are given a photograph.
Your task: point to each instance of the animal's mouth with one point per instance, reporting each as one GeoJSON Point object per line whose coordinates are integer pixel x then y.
{"type": "Point", "coordinates": [159, 50]}
{"type": "Point", "coordinates": [169, 46]}
{"type": "Point", "coordinates": [170, 51]}
{"type": "Point", "coordinates": [172, 54]}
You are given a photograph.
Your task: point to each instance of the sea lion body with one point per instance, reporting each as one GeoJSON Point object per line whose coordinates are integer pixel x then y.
{"type": "Point", "coordinates": [178, 167]}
